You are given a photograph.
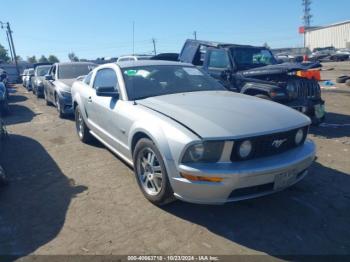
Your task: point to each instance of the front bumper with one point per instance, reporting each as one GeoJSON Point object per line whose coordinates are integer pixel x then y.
{"type": "Point", "coordinates": [258, 175]}
{"type": "Point", "coordinates": [66, 104]}
{"type": "Point", "coordinates": [313, 108]}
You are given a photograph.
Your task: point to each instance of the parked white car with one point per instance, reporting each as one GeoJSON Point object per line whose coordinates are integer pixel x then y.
{"type": "Point", "coordinates": [133, 58]}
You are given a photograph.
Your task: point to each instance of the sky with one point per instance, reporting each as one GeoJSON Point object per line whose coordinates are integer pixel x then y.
{"type": "Point", "coordinates": [103, 28]}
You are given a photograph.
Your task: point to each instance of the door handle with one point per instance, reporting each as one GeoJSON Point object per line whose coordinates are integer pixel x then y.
{"type": "Point", "coordinates": [90, 99]}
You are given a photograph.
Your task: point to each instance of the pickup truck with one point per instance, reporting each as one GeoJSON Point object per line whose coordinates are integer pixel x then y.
{"type": "Point", "coordinates": [254, 71]}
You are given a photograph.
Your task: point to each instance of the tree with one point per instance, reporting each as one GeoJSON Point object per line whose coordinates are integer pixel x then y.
{"type": "Point", "coordinates": [19, 58]}
{"type": "Point", "coordinates": [32, 59]}
{"type": "Point", "coordinates": [72, 57]}
{"type": "Point", "coordinates": [43, 59]}
{"type": "Point", "coordinates": [4, 54]}
{"type": "Point", "coordinates": [53, 59]}
{"type": "Point", "coordinates": [266, 45]}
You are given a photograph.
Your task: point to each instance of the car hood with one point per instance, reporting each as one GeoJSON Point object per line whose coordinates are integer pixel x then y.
{"type": "Point", "coordinates": [279, 69]}
{"type": "Point", "coordinates": [65, 84]}
{"type": "Point", "coordinates": [220, 114]}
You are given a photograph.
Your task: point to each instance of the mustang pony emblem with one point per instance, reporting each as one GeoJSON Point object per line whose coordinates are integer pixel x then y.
{"type": "Point", "coordinates": [278, 143]}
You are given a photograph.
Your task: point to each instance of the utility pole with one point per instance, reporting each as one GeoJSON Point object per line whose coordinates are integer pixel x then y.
{"type": "Point", "coordinates": [195, 35]}
{"type": "Point", "coordinates": [306, 17]}
{"type": "Point", "coordinates": [11, 44]}
{"type": "Point", "coordinates": [8, 40]}
{"type": "Point", "coordinates": [133, 37]}
{"type": "Point", "coordinates": [154, 46]}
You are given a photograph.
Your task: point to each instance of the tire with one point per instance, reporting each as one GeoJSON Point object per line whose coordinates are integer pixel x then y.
{"type": "Point", "coordinates": [263, 97]}
{"type": "Point", "coordinates": [48, 103]}
{"type": "Point", "coordinates": [58, 107]}
{"type": "Point", "coordinates": [37, 94]}
{"type": "Point", "coordinates": [151, 174]}
{"type": "Point", "coordinates": [342, 79]}
{"type": "Point", "coordinates": [347, 82]}
{"type": "Point", "coordinates": [82, 130]}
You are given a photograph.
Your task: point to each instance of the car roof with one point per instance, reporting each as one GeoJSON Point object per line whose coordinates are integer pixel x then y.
{"type": "Point", "coordinates": [127, 64]}
{"type": "Point", "coordinates": [220, 44]}
{"type": "Point", "coordinates": [75, 63]}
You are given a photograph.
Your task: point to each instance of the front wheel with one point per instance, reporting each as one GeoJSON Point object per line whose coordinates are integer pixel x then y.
{"type": "Point", "coordinates": [151, 174]}
{"type": "Point", "coordinates": [48, 103]}
{"type": "Point", "coordinates": [58, 107]}
{"type": "Point", "coordinates": [82, 130]}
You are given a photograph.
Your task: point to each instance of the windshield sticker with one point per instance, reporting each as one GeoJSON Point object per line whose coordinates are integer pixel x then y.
{"type": "Point", "coordinates": [193, 71]}
{"type": "Point", "coordinates": [130, 72]}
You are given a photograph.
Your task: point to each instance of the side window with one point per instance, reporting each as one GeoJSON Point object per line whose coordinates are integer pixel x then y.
{"type": "Point", "coordinates": [53, 71]}
{"type": "Point", "coordinates": [106, 77]}
{"type": "Point", "coordinates": [87, 79]}
{"type": "Point", "coordinates": [218, 59]}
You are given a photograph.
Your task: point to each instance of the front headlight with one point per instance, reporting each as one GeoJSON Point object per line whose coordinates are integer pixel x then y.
{"type": "Point", "coordinates": [208, 151]}
{"type": "Point", "coordinates": [66, 94]}
{"type": "Point", "coordinates": [292, 91]}
{"type": "Point", "coordinates": [39, 82]}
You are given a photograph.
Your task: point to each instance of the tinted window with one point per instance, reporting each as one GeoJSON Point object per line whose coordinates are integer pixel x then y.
{"type": "Point", "coordinates": [106, 78]}
{"type": "Point", "coordinates": [148, 81]}
{"type": "Point", "coordinates": [219, 59]}
{"type": "Point", "coordinates": [70, 71]}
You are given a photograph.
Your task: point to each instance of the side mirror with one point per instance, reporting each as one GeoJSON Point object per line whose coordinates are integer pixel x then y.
{"type": "Point", "coordinates": [108, 91]}
{"type": "Point", "coordinates": [48, 77]}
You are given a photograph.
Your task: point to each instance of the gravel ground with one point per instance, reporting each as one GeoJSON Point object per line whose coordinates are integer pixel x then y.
{"type": "Point", "coordinates": [66, 197]}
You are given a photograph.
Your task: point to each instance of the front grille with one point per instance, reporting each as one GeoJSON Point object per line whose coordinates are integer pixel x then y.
{"type": "Point", "coordinates": [264, 146]}
{"type": "Point", "coordinates": [307, 88]}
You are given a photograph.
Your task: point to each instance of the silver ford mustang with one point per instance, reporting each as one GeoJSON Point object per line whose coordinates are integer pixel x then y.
{"type": "Point", "coordinates": [187, 137]}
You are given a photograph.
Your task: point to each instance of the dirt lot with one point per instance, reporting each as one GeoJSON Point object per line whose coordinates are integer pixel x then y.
{"type": "Point", "coordinates": [69, 198]}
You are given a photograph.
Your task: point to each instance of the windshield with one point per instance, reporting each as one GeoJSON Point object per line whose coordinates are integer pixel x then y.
{"type": "Point", "coordinates": [148, 81]}
{"type": "Point", "coordinates": [74, 70]}
{"type": "Point", "coordinates": [246, 58]}
{"type": "Point", "coordinates": [42, 70]}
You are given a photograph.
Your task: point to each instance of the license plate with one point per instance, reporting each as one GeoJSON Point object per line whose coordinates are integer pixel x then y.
{"type": "Point", "coordinates": [319, 111]}
{"type": "Point", "coordinates": [285, 179]}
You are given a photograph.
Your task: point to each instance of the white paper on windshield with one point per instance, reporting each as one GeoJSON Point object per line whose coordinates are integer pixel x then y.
{"type": "Point", "coordinates": [193, 71]}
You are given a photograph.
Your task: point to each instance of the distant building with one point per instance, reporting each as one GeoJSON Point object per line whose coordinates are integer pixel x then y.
{"type": "Point", "coordinates": [336, 35]}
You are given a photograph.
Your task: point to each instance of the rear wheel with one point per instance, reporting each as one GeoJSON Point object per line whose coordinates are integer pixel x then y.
{"type": "Point", "coordinates": [82, 130]}
{"type": "Point", "coordinates": [151, 174]}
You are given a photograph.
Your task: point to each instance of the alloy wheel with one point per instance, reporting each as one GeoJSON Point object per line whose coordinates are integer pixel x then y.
{"type": "Point", "coordinates": [149, 171]}
{"type": "Point", "coordinates": [80, 124]}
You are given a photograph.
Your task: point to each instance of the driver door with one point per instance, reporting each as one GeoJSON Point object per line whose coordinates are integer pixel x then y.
{"type": "Point", "coordinates": [103, 111]}
{"type": "Point", "coordinates": [218, 66]}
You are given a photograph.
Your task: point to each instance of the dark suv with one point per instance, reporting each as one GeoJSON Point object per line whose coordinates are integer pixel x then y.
{"type": "Point", "coordinates": [254, 71]}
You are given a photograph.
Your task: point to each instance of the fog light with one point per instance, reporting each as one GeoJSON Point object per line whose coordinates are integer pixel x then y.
{"type": "Point", "coordinates": [299, 136]}
{"type": "Point", "coordinates": [245, 149]}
